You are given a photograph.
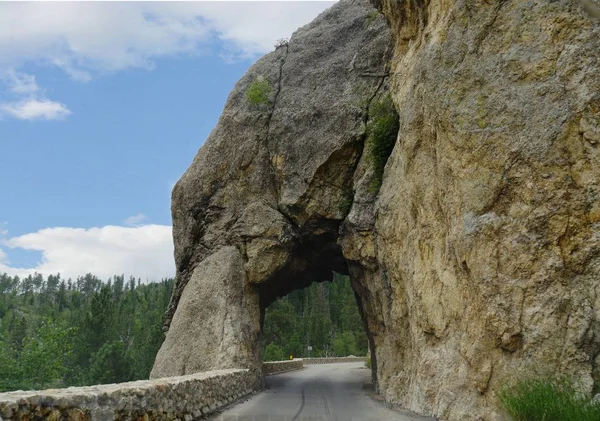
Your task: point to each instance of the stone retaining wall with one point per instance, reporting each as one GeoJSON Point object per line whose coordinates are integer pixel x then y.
{"type": "Point", "coordinates": [184, 398]}
{"type": "Point", "coordinates": [331, 360]}
{"type": "Point", "coordinates": [274, 367]}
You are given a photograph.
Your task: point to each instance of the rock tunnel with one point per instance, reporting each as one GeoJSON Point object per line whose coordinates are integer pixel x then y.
{"type": "Point", "coordinates": [448, 166]}
{"type": "Point", "coordinates": [281, 187]}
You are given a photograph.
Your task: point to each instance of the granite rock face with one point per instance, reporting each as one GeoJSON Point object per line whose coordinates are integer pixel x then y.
{"type": "Point", "coordinates": [487, 223]}
{"type": "Point", "coordinates": [258, 212]}
{"type": "Point", "coordinates": [477, 257]}
{"type": "Point", "coordinates": [220, 318]}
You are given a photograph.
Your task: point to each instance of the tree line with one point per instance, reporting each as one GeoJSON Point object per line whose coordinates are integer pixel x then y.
{"type": "Point", "coordinates": [321, 320]}
{"type": "Point", "coordinates": [57, 332]}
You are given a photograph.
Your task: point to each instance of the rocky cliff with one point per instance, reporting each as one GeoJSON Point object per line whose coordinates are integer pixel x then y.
{"type": "Point", "coordinates": [472, 237]}
{"type": "Point", "coordinates": [487, 233]}
{"type": "Point", "coordinates": [258, 212]}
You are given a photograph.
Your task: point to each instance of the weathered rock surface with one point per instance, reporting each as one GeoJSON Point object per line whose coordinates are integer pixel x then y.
{"type": "Point", "coordinates": [212, 312]}
{"type": "Point", "coordinates": [487, 231]}
{"type": "Point", "coordinates": [477, 259]}
{"type": "Point", "coordinates": [258, 212]}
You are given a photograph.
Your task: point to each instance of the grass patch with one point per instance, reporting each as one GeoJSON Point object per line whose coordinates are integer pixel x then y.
{"type": "Point", "coordinates": [371, 17]}
{"type": "Point", "coordinates": [382, 130]}
{"type": "Point", "coordinates": [547, 400]}
{"type": "Point", "coordinates": [259, 92]}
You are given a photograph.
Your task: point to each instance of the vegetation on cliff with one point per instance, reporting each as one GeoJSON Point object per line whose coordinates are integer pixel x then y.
{"type": "Point", "coordinates": [259, 92]}
{"type": "Point", "coordinates": [548, 399]}
{"type": "Point", "coordinates": [382, 130]}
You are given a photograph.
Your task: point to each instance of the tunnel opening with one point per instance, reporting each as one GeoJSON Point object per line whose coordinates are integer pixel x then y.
{"type": "Point", "coordinates": [316, 263]}
{"type": "Point", "coordinates": [319, 320]}
{"type": "Point", "coordinates": [315, 257]}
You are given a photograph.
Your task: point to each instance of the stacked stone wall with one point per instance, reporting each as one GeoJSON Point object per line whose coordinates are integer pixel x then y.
{"type": "Point", "coordinates": [275, 367]}
{"type": "Point", "coordinates": [309, 361]}
{"type": "Point", "coordinates": [183, 398]}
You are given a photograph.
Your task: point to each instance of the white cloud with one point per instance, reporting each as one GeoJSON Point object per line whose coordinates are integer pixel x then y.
{"type": "Point", "coordinates": [135, 220]}
{"type": "Point", "coordinates": [144, 251]}
{"type": "Point", "coordinates": [24, 100]}
{"type": "Point", "coordinates": [20, 83]}
{"type": "Point", "coordinates": [84, 38]}
{"type": "Point", "coordinates": [252, 28]}
{"type": "Point", "coordinates": [33, 109]}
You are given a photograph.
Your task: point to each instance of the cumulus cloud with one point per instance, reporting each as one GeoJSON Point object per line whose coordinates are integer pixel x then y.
{"type": "Point", "coordinates": [85, 38]}
{"type": "Point", "coordinates": [144, 251]}
{"type": "Point", "coordinates": [35, 109]}
{"type": "Point", "coordinates": [252, 28]}
{"type": "Point", "coordinates": [23, 99]}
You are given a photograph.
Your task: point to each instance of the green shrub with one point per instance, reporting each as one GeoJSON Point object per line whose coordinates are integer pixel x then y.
{"type": "Point", "coordinates": [382, 130]}
{"type": "Point", "coordinates": [371, 17]}
{"type": "Point", "coordinates": [368, 361]}
{"type": "Point", "coordinates": [547, 400]}
{"type": "Point", "coordinates": [273, 353]}
{"type": "Point", "coordinates": [345, 345]}
{"type": "Point", "coordinates": [346, 202]}
{"type": "Point", "coordinates": [292, 347]}
{"type": "Point", "coordinates": [258, 92]}
{"type": "Point", "coordinates": [111, 364]}
{"type": "Point", "coordinates": [41, 362]}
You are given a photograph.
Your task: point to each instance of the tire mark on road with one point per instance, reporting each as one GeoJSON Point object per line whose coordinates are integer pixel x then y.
{"type": "Point", "coordinates": [301, 407]}
{"type": "Point", "coordinates": [327, 412]}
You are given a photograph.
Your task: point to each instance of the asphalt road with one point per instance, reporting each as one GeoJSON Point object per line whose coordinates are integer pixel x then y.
{"type": "Point", "coordinates": [327, 392]}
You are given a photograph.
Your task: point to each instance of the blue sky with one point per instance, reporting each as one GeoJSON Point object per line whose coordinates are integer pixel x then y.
{"type": "Point", "coordinates": [102, 108]}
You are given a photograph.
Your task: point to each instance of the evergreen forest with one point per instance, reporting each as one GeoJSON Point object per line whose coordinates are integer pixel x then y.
{"type": "Point", "coordinates": [57, 332]}
{"type": "Point", "coordinates": [323, 316]}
